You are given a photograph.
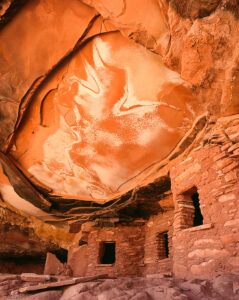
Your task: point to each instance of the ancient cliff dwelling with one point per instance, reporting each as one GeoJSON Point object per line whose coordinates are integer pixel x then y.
{"type": "Point", "coordinates": [119, 149]}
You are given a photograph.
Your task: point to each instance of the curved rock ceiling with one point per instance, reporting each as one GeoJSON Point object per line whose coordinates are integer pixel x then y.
{"type": "Point", "coordinates": [95, 92]}
{"type": "Point", "coordinates": [103, 117]}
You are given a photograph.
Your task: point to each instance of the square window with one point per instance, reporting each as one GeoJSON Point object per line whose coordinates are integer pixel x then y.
{"type": "Point", "coordinates": [190, 211]}
{"type": "Point", "coordinates": [107, 253]}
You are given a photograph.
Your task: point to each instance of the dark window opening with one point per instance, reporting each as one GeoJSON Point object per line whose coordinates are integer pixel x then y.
{"type": "Point", "coordinates": [107, 253]}
{"type": "Point", "coordinates": [198, 218]}
{"type": "Point", "coordinates": [81, 243]}
{"type": "Point", "coordinates": [61, 254]}
{"type": "Point", "coordinates": [166, 244]}
{"type": "Point", "coordinates": [189, 204]}
{"type": "Point", "coordinates": [163, 247]}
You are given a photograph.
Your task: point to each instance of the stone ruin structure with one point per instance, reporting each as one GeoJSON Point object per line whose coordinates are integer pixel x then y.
{"type": "Point", "coordinates": [192, 230]}
{"type": "Point", "coordinates": [119, 139]}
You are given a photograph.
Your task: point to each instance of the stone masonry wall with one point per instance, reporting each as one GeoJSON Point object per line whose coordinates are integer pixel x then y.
{"type": "Point", "coordinates": [156, 225]}
{"type": "Point", "coordinates": [129, 250]}
{"type": "Point", "coordinates": [212, 248]}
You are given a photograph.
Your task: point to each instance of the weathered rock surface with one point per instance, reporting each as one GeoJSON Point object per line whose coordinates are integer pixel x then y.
{"type": "Point", "coordinates": [52, 265]}
{"type": "Point", "coordinates": [72, 121]}
{"type": "Point", "coordinates": [122, 103]}
{"type": "Point", "coordinates": [225, 287]}
{"type": "Point", "coordinates": [25, 241]}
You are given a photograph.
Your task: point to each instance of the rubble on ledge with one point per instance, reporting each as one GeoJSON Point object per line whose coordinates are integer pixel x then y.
{"type": "Point", "coordinates": [152, 287]}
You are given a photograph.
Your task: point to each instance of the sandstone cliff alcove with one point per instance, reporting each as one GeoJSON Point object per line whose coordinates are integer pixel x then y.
{"type": "Point", "coordinates": [119, 144]}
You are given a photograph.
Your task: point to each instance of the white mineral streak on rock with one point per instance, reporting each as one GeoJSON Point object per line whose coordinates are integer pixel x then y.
{"type": "Point", "coordinates": [75, 155]}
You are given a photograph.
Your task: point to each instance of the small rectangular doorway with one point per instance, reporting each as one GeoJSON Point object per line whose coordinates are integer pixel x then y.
{"type": "Point", "coordinates": [107, 253]}
{"type": "Point", "coordinates": [163, 248]}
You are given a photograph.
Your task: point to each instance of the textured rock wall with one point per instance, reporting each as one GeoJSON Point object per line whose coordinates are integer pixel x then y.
{"type": "Point", "coordinates": [212, 248]}
{"type": "Point", "coordinates": [84, 258]}
{"type": "Point", "coordinates": [129, 252]}
{"type": "Point", "coordinates": [156, 225]}
{"type": "Point", "coordinates": [137, 249]}
{"type": "Point", "coordinates": [25, 241]}
{"type": "Point", "coordinates": [22, 265]}
{"type": "Point", "coordinates": [35, 30]}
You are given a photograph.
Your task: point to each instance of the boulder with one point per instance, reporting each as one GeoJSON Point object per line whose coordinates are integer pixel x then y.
{"type": "Point", "coordinates": [53, 266]}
